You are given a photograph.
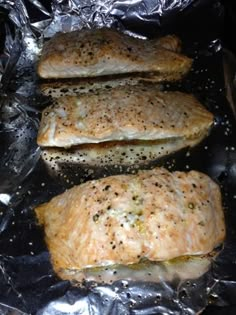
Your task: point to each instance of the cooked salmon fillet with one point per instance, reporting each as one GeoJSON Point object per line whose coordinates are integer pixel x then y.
{"type": "Point", "coordinates": [181, 268]}
{"type": "Point", "coordinates": [138, 112]}
{"type": "Point", "coordinates": [121, 219]}
{"type": "Point", "coordinates": [92, 53]}
{"type": "Point", "coordinates": [132, 153]}
{"type": "Point", "coordinates": [169, 42]}
{"type": "Point", "coordinates": [74, 87]}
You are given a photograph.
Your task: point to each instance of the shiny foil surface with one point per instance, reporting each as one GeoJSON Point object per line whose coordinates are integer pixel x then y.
{"type": "Point", "coordinates": [28, 284]}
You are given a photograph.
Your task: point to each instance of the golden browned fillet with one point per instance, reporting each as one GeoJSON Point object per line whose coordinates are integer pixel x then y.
{"type": "Point", "coordinates": [138, 112]}
{"type": "Point", "coordinates": [91, 53]}
{"type": "Point", "coordinates": [120, 219]}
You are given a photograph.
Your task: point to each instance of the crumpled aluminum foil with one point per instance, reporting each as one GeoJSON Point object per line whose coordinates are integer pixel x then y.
{"type": "Point", "coordinates": [28, 283]}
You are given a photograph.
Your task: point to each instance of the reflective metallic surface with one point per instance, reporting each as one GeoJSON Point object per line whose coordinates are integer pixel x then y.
{"type": "Point", "coordinates": [28, 284]}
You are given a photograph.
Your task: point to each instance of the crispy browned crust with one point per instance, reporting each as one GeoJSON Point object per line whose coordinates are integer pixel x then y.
{"type": "Point", "coordinates": [89, 53]}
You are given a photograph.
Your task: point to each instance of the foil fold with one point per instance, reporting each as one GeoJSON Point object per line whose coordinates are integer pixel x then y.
{"type": "Point", "coordinates": [28, 281]}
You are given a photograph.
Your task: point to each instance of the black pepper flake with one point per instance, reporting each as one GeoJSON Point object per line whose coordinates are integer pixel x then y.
{"type": "Point", "coordinates": [201, 223]}
{"type": "Point", "coordinates": [96, 217]}
{"type": "Point", "coordinates": [114, 246]}
{"type": "Point", "coordinates": [191, 205]}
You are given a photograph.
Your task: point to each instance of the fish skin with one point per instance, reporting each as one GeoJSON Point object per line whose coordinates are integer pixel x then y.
{"type": "Point", "coordinates": [92, 53]}
{"type": "Point", "coordinates": [154, 214]}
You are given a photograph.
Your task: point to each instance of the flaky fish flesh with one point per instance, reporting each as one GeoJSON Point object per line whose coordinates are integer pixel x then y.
{"type": "Point", "coordinates": [121, 114]}
{"type": "Point", "coordinates": [154, 214]}
{"type": "Point", "coordinates": [95, 53]}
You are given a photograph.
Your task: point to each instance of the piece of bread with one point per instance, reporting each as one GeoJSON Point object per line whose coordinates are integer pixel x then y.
{"type": "Point", "coordinates": [124, 113]}
{"type": "Point", "coordinates": [121, 219]}
{"type": "Point", "coordinates": [99, 52]}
